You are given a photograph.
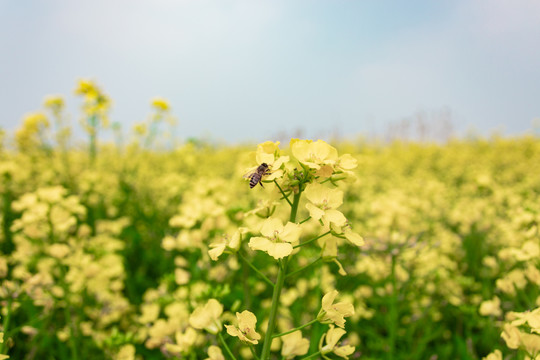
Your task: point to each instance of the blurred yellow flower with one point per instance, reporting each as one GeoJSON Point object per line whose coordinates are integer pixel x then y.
{"type": "Point", "coordinates": [127, 352]}
{"type": "Point", "coordinates": [160, 103]}
{"type": "Point", "coordinates": [278, 239]}
{"type": "Point", "coordinates": [181, 276]}
{"type": "Point", "coordinates": [323, 204]}
{"type": "Point", "coordinates": [495, 355]}
{"type": "Point", "coordinates": [54, 102]}
{"type": "Point", "coordinates": [491, 307]}
{"type": "Point", "coordinates": [184, 341]}
{"type": "Point", "coordinates": [245, 330]}
{"type": "Point", "coordinates": [532, 318]}
{"type": "Point", "coordinates": [140, 129]}
{"type": "Point", "coordinates": [85, 86]}
{"type": "Point", "coordinates": [207, 317]}
{"type": "Point", "coordinates": [346, 162]}
{"type": "Point", "coordinates": [214, 353]}
{"type": "Point", "coordinates": [334, 313]}
{"type": "Point", "coordinates": [332, 337]}
{"type": "Point", "coordinates": [294, 345]}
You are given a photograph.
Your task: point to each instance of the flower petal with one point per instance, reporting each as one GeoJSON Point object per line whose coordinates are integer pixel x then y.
{"type": "Point", "coordinates": [271, 226]}
{"type": "Point", "coordinates": [314, 211]}
{"type": "Point", "coordinates": [280, 250]}
{"type": "Point", "coordinates": [291, 233]}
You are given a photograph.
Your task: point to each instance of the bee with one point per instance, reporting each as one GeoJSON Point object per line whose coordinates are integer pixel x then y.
{"type": "Point", "coordinates": [255, 177]}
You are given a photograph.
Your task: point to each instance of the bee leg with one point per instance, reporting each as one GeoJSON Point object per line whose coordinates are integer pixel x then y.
{"type": "Point", "coordinates": [260, 182]}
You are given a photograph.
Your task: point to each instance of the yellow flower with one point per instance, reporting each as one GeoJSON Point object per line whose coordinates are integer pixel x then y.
{"type": "Point", "coordinates": [346, 162]}
{"type": "Point", "coordinates": [530, 317]}
{"type": "Point", "coordinates": [232, 244]}
{"type": "Point", "coordinates": [181, 276]}
{"type": "Point", "coordinates": [207, 317]}
{"type": "Point", "coordinates": [85, 86]}
{"type": "Point", "coordinates": [150, 312]}
{"type": "Point", "coordinates": [268, 152]}
{"type": "Point", "coordinates": [54, 102]}
{"type": "Point", "coordinates": [323, 204]}
{"type": "Point", "coordinates": [278, 239]}
{"type": "Point", "coordinates": [314, 154]}
{"type": "Point", "coordinates": [160, 103]}
{"type": "Point", "coordinates": [294, 345]}
{"type": "Point", "coordinates": [214, 353]}
{"type": "Point", "coordinates": [491, 307]}
{"type": "Point", "coordinates": [140, 129]}
{"type": "Point", "coordinates": [334, 313]}
{"type": "Point", "coordinates": [332, 337]}
{"type": "Point", "coordinates": [59, 251]}
{"type": "Point", "coordinates": [245, 330]}
{"type": "Point", "coordinates": [36, 121]}
{"type": "Point", "coordinates": [127, 352]}
{"type": "Point", "coordinates": [511, 335]}
{"type": "Point", "coordinates": [496, 355]}
{"type": "Point", "coordinates": [184, 341]}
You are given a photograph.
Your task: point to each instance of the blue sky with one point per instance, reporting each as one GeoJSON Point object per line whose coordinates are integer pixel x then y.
{"type": "Point", "coordinates": [249, 70]}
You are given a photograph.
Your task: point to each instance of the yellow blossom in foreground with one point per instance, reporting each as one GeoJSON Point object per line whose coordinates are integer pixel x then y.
{"type": "Point", "coordinates": [314, 153]}
{"type": "Point", "coordinates": [516, 339]}
{"type": "Point", "coordinates": [233, 244]}
{"type": "Point", "coordinates": [334, 313]}
{"type": "Point", "coordinates": [160, 103]}
{"type": "Point", "coordinates": [278, 239]}
{"type": "Point", "coordinates": [294, 345]}
{"type": "Point", "coordinates": [323, 204]}
{"type": "Point", "coordinates": [532, 318]}
{"type": "Point", "coordinates": [245, 330]}
{"type": "Point", "coordinates": [214, 353]}
{"type": "Point", "coordinates": [332, 337]}
{"type": "Point", "coordinates": [207, 317]}
{"type": "Point", "coordinates": [268, 153]}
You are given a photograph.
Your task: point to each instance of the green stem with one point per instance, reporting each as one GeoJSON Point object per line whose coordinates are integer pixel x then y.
{"type": "Point", "coordinates": [253, 352]}
{"type": "Point", "coordinates": [5, 324]}
{"type": "Point", "coordinates": [265, 354]}
{"type": "Point", "coordinates": [225, 346]}
{"type": "Point", "coordinates": [296, 329]}
{"type": "Point", "coordinates": [264, 277]}
{"type": "Point", "coordinates": [72, 335]}
{"type": "Point", "coordinates": [283, 193]}
{"type": "Point", "coordinates": [306, 219]}
{"type": "Point", "coordinates": [294, 207]}
{"type": "Point", "coordinates": [93, 137]}
{"type": "Point", "coordinates": [303, 268]}
{"type": "Point", "coordinates": [311, 240]}
{"type": "Point", "coordinates": [393, 310]}
{"type": "Point", "coordinates": [311, 356]}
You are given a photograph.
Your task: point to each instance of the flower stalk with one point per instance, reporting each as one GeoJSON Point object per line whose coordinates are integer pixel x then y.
{"type": "Point", "coordinates": [227, 349]}
{"type": "Point", "coordinates": [265, 354]}
{"type": "Point", "coordinates": [295, 329]}
{"type": "Point", "coordinates": [264, 277]}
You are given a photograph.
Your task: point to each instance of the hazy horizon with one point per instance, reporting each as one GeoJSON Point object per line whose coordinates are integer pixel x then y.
{"type": "Point", "coordinates": [243, 71]}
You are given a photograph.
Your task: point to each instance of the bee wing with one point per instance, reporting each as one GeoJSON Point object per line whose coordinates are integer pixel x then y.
{"type": "Point", "coordinates": [250, 173]}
